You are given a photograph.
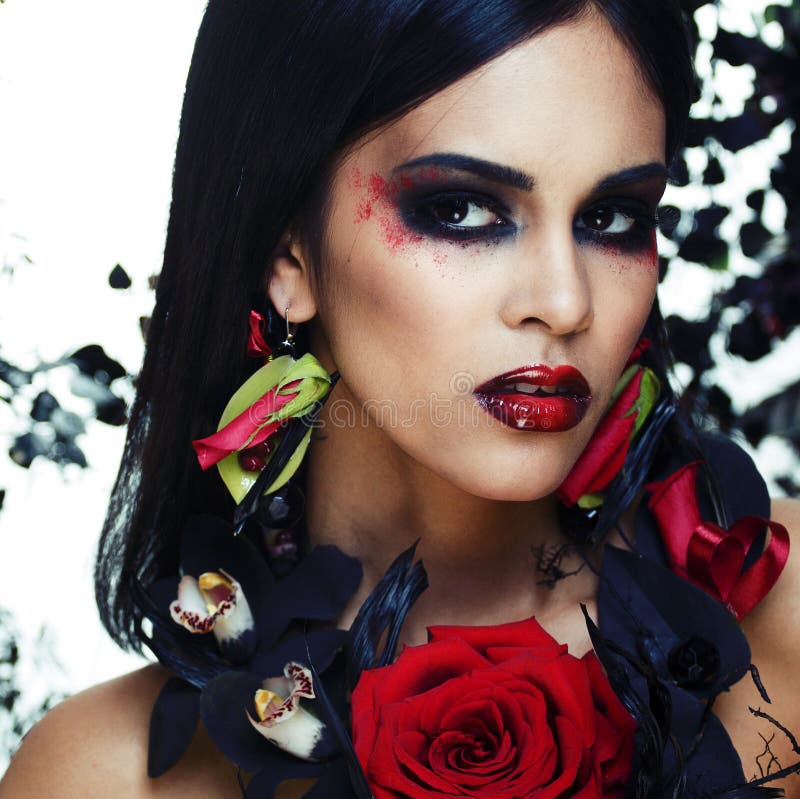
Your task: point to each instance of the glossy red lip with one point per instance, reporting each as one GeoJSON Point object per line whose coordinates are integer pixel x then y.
{"type": "Point", "coordinates": [543, 412]}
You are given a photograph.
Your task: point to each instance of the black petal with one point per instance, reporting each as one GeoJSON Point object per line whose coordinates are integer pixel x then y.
{"type": "Point", "coordinates": [645, 607]}
{"type": "Point", "coordinates": [223, 708]}
{"type": "Point", "coordinates": [264, 784]}
{"type": "Point", "coordinates": [172, 725]}
{"type": "Point", "coordinates": [318, 647]}
{"type": "Point", "coordinates": [335, 782]}
{"type": "Point", "coordinates": [208, 545]}
{"type": "Point", "coordinates": [317, 589]}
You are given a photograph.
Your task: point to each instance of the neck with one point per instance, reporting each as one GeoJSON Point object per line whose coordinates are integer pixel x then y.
{"type": "Point", "coordinates": [373, 501]}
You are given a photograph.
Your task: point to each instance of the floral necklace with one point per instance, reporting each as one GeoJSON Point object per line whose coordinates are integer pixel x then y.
{"type": "Point", "coordinates": [502, 711]}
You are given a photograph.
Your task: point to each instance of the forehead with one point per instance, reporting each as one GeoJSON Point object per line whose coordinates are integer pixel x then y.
{"type": "Point", "coordinates": [572, 97]}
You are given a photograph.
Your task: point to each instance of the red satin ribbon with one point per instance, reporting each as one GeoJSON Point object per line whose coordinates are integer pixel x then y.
{"type": "Point", "coordinates": [257, 346]}
{"type": "Point", "coordinates": [236, 435]}
{"type": "Point", "coordinates": [711, 556]}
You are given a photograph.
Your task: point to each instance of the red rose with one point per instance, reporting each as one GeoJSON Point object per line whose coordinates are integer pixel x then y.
{"type": "Point", "coordinates": [502, 712]}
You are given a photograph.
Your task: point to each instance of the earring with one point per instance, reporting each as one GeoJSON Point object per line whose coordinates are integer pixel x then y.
{"type": "Point", "coordinates": [287, 346]}
{"type": "Point", "coordinates": [265, 428]}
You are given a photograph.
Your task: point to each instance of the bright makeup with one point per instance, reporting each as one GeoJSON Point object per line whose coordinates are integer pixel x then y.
{"type": "Point", "coordinates": [537, 398]}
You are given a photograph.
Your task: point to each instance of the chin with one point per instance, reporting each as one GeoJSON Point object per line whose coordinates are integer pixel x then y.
{"type": "Point", "coordinates": [509, 485]}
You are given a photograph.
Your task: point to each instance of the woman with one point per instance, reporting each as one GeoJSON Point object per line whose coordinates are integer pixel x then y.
{"type": "Point", "coordinates": [453, 208]}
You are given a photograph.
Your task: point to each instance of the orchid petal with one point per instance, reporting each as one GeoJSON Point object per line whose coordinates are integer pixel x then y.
{"type": "Point", "coordinates": [215, 602]}
{"type": "Point", "coordinates": [189, 609]}
{"type": "Point", "coordinates": [284, 722]}
{"type": "Point", "coordinates": [235, 627]}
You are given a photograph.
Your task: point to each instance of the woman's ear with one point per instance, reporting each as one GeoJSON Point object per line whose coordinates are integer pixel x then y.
{"type": "Point", "coordinates": [289, 280]}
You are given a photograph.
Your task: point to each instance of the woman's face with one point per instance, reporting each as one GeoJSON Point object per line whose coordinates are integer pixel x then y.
{"type": "Point", "coordinates": [505, 223]}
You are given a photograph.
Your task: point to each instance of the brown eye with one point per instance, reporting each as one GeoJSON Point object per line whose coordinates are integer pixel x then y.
{"type": "Point", "coordinates": [453, 212]}
{"type": "Point", "coordinates": [607, 220]}
{"type": "Point", "coordinates": [462, 212]}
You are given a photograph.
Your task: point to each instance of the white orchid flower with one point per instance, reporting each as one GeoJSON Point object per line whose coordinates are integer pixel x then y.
{"type": "Point", "coordinates": [285, 722]}
{"type": "Point", "coordinates": [214, 602]}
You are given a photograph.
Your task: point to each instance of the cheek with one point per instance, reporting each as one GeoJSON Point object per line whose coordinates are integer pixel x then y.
{"type": "Point", "coordinates": [375, 199]}
{"type": "Point", "coordinates": [623, 261]}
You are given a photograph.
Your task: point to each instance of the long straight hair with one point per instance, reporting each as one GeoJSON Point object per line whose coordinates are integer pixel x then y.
{"type": "Point", "coordinates": [276, 89]}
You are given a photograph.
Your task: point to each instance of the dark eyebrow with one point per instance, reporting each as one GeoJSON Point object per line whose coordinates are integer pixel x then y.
{"type": "Point", "coordinates": [521, 180]}
{"type": "Point", "coordinates": [633, 174]}
{"type": "Point", "coordinates": [466, 163]}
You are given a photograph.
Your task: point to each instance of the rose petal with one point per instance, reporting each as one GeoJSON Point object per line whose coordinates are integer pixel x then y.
{"type": "Point", "coordinates": [526, 633]}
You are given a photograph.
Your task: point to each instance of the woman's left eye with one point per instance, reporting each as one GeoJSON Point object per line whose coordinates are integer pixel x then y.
{"type": "Point", "coordinates": [608, 220]}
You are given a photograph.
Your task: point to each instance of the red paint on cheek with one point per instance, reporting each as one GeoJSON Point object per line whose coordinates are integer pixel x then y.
{"type": "Point", "coordinates": [374, 189]}
{"type": "Point", "coordinates": [395, 233]}
{"type": "Point", "coordinates": [378, 200]}
{"type": "Point", "coordinates": [620, 260]}
{"type": "Point", "coordinates": [648, 259]}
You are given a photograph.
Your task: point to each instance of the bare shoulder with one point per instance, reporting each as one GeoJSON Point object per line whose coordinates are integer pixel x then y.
{"type": "Point", "coordinates": [770, 627]}
{"type": "Point", "coordinates": [95, 743]}
{"type": "Point", "coordinates": [774, 637]}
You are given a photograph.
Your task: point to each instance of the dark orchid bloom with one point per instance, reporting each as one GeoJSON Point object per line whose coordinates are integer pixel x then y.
{"type": "Point", "coordinates": [225, 619]}
{"type": "Point", "coordinates": [284, 721]}
{"type": "Point", "coordinates": [670, 648]}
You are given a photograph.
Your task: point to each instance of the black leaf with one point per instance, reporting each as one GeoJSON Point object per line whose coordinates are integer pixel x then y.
{"type": "Point", "coordinates": [755, 200]}
{"type": "Point", "coordinates": [118, 278]}
{"type": "Point", "coordinates": [25, 448]}
{"type": "Point", "coordinates": [749, 340]}
{"type": "Point", "coordinates": [753, 237]}
{"type": "Point", "coordinates": [713, 176]}
{"type": "Point", "coordinates": [93, 362]}
{"type": "Point", "coordinates": [112, 411]}
{"type": "Point", "coordinates": [43, 406]}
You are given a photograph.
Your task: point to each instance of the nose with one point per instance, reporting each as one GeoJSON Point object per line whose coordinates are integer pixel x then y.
{"type": "Point", "coordinates": [551, 286]}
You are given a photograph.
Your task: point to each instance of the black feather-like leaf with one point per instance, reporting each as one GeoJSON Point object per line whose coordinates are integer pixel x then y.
{"type": "Point", "coordinates": [172, 725]}
{"type": "Point", "coordinates": [358, 779]}
{"type": "Point", "coordinates": [317, 589]}
{"type": "Point", "coordinates": [650, 741]}
{"type": "Point", "coordinates": [633, 474]}
{"type": "Point", "coordinates": [189, 656]}
{"type": "Point", "coordinates": [383, 614]}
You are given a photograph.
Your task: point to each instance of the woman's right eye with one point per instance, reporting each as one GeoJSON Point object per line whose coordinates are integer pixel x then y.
{"type": "Point", "coordinates": [463, 213]}
{"type": "Point", "coordinates": [456, 216]}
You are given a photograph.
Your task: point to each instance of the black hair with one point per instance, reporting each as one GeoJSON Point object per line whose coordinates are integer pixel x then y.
{"type": "Point", "coordinates": [275, 91]}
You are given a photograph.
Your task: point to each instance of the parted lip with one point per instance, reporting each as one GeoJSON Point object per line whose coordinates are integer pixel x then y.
{"type": "Point", "coordinates": [566, 377]}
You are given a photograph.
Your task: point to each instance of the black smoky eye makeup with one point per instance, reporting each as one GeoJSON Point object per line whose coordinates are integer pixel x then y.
{"type": "Point", "coordinates": [455, 214]}
{"type": "Point", "coordinates": [460, 213]}
{"type": "Point", "coordinates": [624, 223]}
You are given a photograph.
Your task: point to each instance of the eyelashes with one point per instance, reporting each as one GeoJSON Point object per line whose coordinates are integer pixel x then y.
{"type": "Point", "coordinates": [463, 216]}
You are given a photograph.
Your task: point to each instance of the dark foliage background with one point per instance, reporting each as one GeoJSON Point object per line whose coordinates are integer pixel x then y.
{"type": "Point", "coordinates": [754, 312]}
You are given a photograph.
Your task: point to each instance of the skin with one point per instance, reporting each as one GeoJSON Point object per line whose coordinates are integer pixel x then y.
{"type": "Point", "coordinates": [402, 313]}
{"type": "Point", "coordinates": [406, 316]}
